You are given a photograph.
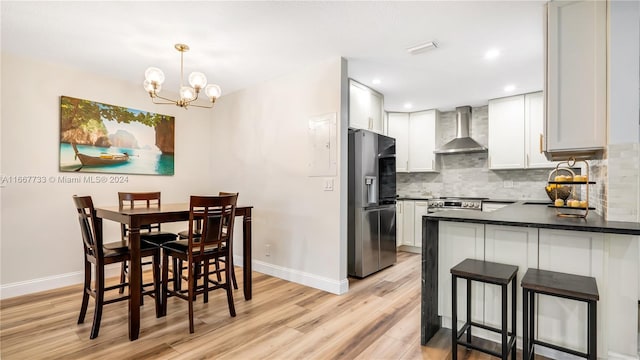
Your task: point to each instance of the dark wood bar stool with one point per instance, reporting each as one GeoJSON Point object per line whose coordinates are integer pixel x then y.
{"type": "Point", "coordinates": [567, 286]}
{"type": "Point", "coordinates": [489, 273]}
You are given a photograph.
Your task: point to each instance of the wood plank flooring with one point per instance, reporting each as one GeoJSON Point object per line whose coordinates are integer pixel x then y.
{"type": "Point", "coordinates": [379, 318]}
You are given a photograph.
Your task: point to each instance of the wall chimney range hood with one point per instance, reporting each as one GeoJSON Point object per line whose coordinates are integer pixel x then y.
{"type": "Point", "coordinates": [462, 142]}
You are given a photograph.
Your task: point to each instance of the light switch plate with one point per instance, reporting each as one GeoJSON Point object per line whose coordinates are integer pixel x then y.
{"type": "Point", "coordinates": [328, 184]}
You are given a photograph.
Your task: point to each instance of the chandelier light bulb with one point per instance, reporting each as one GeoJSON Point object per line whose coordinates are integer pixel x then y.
{"type": "Point", "coordinates": [153, 74]}
{"type": "Point", "coordinates": [197, 80]}
{"type": "Point", "coordinates": [148, 86]}
{"type": "Point", "coordinates": [187, 93]}
{"type": "Point", "coordinates": [213, 91]}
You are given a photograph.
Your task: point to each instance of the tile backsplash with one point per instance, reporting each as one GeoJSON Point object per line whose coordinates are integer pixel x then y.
{"type": "Point", "coordinates": [468, 174]}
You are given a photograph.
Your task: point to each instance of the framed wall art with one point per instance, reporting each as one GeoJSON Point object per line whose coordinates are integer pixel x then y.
{"type": "Point", "coordinates": [103, 138]}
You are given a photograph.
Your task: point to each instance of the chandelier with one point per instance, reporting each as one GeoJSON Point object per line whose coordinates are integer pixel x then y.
{"type": "Point", "coordinates": [154, 78]}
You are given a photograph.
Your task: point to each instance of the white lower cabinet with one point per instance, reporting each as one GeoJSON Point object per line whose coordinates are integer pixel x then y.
{"type": "Point", "coordinates": [409, 224]}
{"type": "Point", "coordinates": [561, 321]}
{"type": "Point", "coordinates": [420, 209]}
{"type": "Point", "coordinates": [514, 246]}
{"type": "Point", "coordinates": [459, 241]}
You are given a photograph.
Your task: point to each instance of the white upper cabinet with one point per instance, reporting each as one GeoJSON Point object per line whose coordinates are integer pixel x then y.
{"type": "Point", "coordinates": [398, 125]}
{"type": "Point", "coordinates": [415, 135]}
{"type": "Point", "coordinates": [506, 133]}
{"type": "Point", "coordinates": [515, 132]}
{"type": "Point", "coordinates": [365, 108]}
{"type": "Point", "coordinates": [422, 141]}
{"type": "Point", "coordinates": [576, 77]}
{"type": "Point", "coordinates": [534, 131]}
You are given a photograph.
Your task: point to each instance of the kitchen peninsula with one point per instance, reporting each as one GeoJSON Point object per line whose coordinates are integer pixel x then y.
{"type": "Point", "coordinates": [531, 235]}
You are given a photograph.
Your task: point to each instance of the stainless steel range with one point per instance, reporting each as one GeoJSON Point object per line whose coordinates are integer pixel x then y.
{"type": "Point", "coordinates": [454, 203]}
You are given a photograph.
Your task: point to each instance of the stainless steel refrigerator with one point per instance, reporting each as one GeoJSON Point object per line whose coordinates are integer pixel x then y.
{"type": "Point", "coordinates": [372, 203]}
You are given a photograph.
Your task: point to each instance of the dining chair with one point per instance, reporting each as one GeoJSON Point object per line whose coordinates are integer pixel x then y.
{"type": "Point", "coordinates": [216, 214]}
{"type": "Point", "coordinates": [149, 233]}
{"type": "Point", "coordinates": [99, 254]}
{"type": "Point", "coordinates": [185, 234]}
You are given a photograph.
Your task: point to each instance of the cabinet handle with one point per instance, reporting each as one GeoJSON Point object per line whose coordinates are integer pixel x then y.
{"type": "Point", "coordinates": [526, 161]}
{"type": "Point", "coordinates": [541, 141]}
{"type": "Point", "coordinates": [370, 123]}
{"type": "Point", "coordinates": [407, 166]}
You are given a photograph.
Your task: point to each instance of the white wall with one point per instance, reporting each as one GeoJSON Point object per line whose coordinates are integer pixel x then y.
{"type": "Point", "coordinates": [260, 144]}
{"type": "Point", "coordinates": [40, 244]}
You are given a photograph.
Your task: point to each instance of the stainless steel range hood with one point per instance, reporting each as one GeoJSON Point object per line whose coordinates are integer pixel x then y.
{"type": "Point", "coordinates": [462, 142]}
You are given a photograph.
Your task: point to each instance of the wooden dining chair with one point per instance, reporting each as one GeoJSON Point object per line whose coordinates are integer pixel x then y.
{"type": "Point", "coordinates": [185, 234]}
{"type": "Point", "coordinates": [148, 233]}
{"type": "Point", "coordinates": [217, 214]}
{"type": "Point", "coordinates": [99, 254]}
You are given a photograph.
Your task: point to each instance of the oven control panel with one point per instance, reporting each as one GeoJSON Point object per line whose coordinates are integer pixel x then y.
{"type": "Point", "coordinates": [449, 204]}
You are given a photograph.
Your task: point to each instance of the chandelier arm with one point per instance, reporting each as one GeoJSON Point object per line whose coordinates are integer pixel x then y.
{"type": "Point", "coordinates": [172, 102]}
{"type": "Point", "coordinates": [202, 106]}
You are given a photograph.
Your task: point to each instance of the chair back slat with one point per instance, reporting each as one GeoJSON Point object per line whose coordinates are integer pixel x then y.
{"type": "Point", "coordinates": [216, 214]}
{"type": "Point", "coordinates": [91, 237]}
{"type": "Point", "coordinates": [134, 200]}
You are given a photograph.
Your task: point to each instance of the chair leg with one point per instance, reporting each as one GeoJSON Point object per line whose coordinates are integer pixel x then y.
{"type": "Point", "coordinates": [156, 283]}
{"type": "Point", "coordinates": [232, 308]}
{"type": "Point", "coordinates": [505, 329]}
{"type": "Point", "coordinates": [190, 298]}
{"type": "Point", "coordinates": [165, 280]}
{"type": "Point", "coordinates": [177, 274]}
{"type": "Point", "coordinates": [85, 291]}
{"type": "Point", "coordinates": [454, 317]}
{"type": "Point", "coordinates": [593, 329]}
{"type": "Point", "coordinates": [525, 324]}
{"type": "Point", "coordinates": [513, 316]}
{"type": "Point", "coordinates": [532, 324]}
{"type": "Point", "coordinates": [206, 280]}
{"type": "Point", "coordinates": [229, 265]}
{"type": "Point", "coordinates": [469, 310]}
{"type": "Point", "coordinates": [123, 275]}
{"type": "Point", "coordinates": [217, 263]}
{"type": "Point", "coordinates": [97, 314]}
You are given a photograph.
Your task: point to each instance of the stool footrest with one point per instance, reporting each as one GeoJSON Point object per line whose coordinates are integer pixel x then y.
{"type": "Point", "coordinates": [481, 349]}
{"type": "Point", "coordinates": [487, 327]}
{"type": "Point", "coordinates": [560, 348]}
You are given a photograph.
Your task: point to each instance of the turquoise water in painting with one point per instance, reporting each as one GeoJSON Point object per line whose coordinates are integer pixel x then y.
{"type": "Point", "coordinates": [141, 161]}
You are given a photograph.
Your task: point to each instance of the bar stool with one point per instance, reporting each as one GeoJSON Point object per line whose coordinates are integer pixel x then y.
{"type": "Point", "coordinates": [490, 273]}
{"type": "Point", "coordinates": [567, 286]}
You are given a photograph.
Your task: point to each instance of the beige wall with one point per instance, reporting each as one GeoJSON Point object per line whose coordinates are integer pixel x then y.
{"type": "Point", "coordinates": [266, 126]}
{"type": "Point", "coordinates": [262, 137]}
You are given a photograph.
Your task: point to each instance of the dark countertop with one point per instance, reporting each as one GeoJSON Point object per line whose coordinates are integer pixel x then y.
{"type": "Point", "coordinates": [417, 198]}
{"type": "Point", "coordinates": [539, 216]}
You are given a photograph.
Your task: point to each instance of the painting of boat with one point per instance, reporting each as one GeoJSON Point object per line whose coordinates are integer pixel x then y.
{"type": "Point", "coordinates": [102, 138]}
{"type": "Point", "coordinates": [102, 160]}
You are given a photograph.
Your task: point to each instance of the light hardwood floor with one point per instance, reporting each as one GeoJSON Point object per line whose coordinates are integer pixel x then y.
{"type": "Point", "coordinates": [379, 318]}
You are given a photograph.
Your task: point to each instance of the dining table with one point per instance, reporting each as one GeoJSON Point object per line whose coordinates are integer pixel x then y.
{"type": "Point", "coordinates": [137, 218]}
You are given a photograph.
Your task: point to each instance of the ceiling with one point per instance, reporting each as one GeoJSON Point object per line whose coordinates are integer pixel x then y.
{"type": "Point", "coordinates": [239, 44]}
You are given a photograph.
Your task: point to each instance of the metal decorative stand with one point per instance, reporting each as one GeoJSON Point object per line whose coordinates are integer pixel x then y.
{"type": "Point", "coordinates": [568, 209]}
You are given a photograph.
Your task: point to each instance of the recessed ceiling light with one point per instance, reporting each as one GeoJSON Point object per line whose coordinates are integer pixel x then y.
{"type": "Point", "coordinates": [422, 47]}
{"type": "Point", "coordinates": [492, 54]}
{"type": "Point", "coordinates": [375, 81]}
{"type": "Point", "coordinates": [509, 88]}
{"type": "Point", "coordinates": [408, 105]}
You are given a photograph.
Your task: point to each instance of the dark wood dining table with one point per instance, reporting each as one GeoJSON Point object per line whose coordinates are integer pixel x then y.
{"type": "Point", "coordinates": [136, 218]}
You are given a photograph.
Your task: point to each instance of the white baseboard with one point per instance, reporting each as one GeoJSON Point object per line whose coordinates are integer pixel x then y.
{"type": "Point", "coordinates": [48, 283]}
{"type": "Point", "coordinates": [77, 277]}
{"type": "Point", "coordinates": [299, 277]}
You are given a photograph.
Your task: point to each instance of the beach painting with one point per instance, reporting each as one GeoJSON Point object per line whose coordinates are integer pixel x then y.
{"type": "Point", "coordinates": [103, 138]}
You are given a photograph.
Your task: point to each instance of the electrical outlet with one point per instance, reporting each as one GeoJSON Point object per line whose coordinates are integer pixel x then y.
{"type": "Point", "coordinates": [267, 250]}
{"type": "Point", "coordinates": [328, 184]}
{"type": "Point", "coordinates": [507, 184]}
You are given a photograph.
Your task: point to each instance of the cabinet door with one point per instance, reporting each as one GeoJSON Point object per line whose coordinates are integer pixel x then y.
{"type": "Point", "coordinates": [422, 141]}
{"type": "Point", "coordinates": [506, 133]}
{"type": "Point", "coordinates": [398, 125]}
{"type": "Point", "coordinates": [459, 241]}
{"type": "Point", "coordinates": [534, 129]}
{"type": "Point", "coordinates": [407, 226]}
{"type": "Point", "coordinates": [420, 210]}
{"type": "Point", "coordinates": [575, 71]}
{"type": "Point", "coordinates": [359, 105]}
{"type": "Point", "coordinates": [561, 321]}
{"type": "Point", "coordinates": [399, 222]}
{"type": "Point", "coordinates": [514, 246]}
{"type": "Point", "coordinates": [376, 112]}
